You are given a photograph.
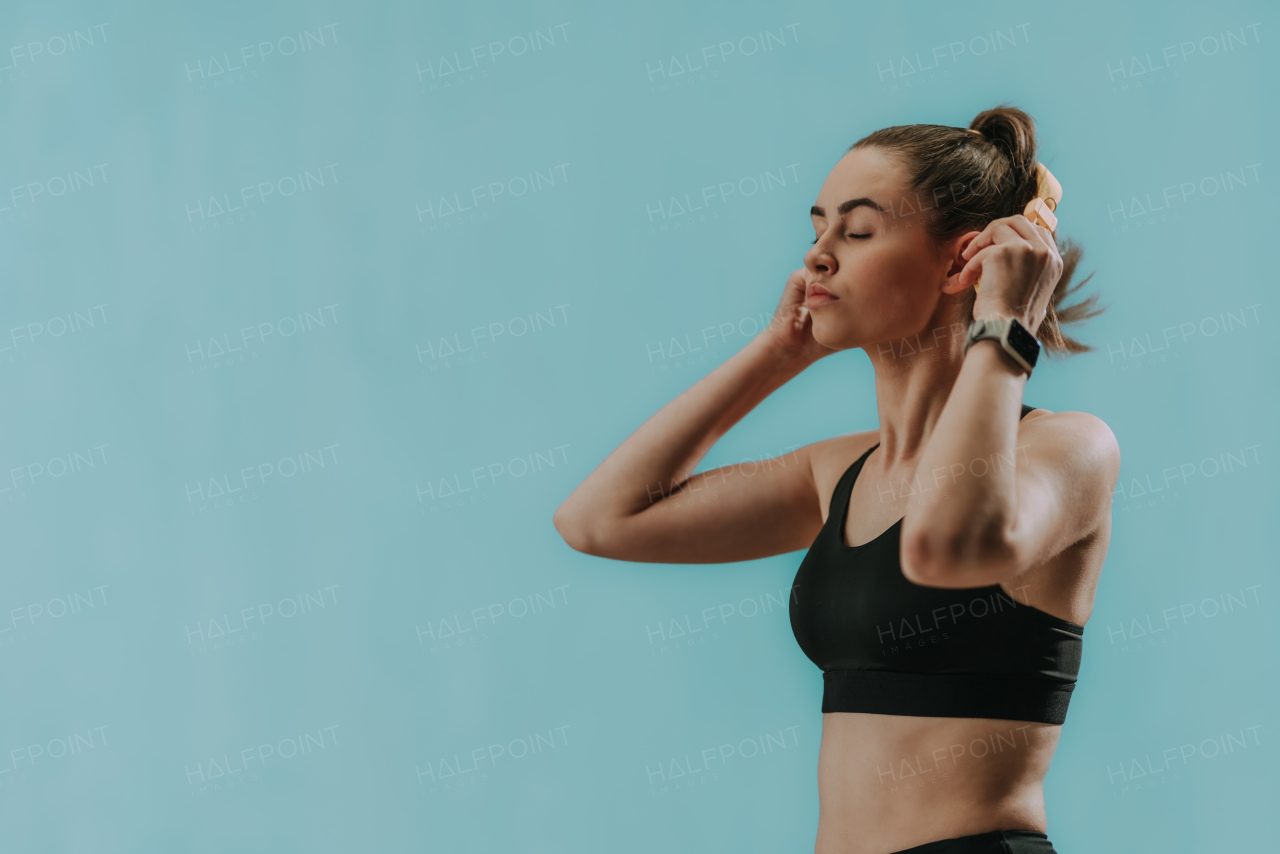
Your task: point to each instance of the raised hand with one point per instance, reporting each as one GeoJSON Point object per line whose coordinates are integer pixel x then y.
{"type": "Point", "coordinates": [792, 325]}
{"type": "Point", "coordinates": [1020, 266]}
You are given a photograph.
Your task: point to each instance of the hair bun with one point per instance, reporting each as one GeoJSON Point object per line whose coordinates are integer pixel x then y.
{"type": "Point", "coordinates": [1014, 133]}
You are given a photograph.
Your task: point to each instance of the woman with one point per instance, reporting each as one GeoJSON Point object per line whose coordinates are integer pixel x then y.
{"type": "Point", "coordinates": [953, 564]}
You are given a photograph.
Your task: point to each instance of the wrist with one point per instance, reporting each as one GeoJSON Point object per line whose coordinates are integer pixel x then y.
{"type": "Point", "coordinates": [995, 355]}
{"type": "Point", "coordinates": [991, 356]}
{"type": "Point", "coordinates": [780, 355]}
{"type": "Point", "coordinates": [999, 310]}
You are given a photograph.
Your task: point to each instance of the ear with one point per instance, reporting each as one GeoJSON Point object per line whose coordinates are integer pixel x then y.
{"type": "Point", "coordinates": [952, 252]}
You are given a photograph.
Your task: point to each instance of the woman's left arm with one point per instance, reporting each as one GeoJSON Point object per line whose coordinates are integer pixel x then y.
{"type": "Point", "coordinates": [1008, 495]}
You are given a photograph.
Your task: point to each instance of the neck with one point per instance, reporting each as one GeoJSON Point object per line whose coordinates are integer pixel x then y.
{"type": "Point", "coordinates": [914, 378]}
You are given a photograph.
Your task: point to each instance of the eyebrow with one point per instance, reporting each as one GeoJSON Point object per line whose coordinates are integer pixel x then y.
{"type": "Point", "coordinates": [845, 207]}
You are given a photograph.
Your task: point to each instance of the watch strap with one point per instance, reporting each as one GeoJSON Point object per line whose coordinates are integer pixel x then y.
{"type": "Point", "coordinates": [1000, 329]}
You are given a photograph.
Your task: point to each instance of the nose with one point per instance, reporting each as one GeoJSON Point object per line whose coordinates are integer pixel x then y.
{"type": "Point", "coordinates": [819, 259]}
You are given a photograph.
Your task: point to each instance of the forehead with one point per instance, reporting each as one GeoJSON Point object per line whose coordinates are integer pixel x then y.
{"type": "Point", "coordinates": [863, 172]}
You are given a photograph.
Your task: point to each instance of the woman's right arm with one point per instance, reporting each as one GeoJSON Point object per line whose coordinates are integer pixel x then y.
{"type": "Point", "coordinates": [641, 504]}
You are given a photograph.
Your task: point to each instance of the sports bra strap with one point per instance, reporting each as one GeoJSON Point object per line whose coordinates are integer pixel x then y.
{"type": "Point", "coordinates": [844, 488]}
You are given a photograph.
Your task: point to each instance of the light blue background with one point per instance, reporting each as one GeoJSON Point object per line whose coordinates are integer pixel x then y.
{"type": "Point", "coordinates": [130, 673]}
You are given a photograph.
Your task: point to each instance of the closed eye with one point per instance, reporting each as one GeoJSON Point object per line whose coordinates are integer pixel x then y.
{"type": "Point", "coordinates": [858, 236]}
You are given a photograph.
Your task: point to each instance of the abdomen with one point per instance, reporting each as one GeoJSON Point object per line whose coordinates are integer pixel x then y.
{"type": "Point", "coordinates": [889, 782]}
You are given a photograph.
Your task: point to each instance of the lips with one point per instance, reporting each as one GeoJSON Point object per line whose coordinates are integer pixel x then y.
{"type": "Point", "coordinates": [816, 295]}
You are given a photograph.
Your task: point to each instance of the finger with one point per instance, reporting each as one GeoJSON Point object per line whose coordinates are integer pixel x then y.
{"type": "Point", "coordinates": [979, 259]}
{"type": "Point", "coordinates": [981, 241]}
{"type": "Point", "coordinates": [973, 270]}
{"type": "Point", "coordinates": [997, 231]}
{"type": "Point", "coordinates": [1034, 233]}
{"type": "Point", "coordinates": [1006, 230]}
{"type": "Point", "coordinates": [1042, 241]}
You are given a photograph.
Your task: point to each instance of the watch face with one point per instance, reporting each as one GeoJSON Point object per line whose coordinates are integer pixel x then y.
{"type": "Point", "coordinates": [1024, 342]}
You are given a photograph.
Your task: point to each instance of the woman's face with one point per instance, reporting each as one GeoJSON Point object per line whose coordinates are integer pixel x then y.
{"type": "Point", "coordinates": [873, 254]}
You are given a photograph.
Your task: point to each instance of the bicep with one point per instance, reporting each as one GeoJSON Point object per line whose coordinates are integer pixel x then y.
{"type": "Point", "coordinates": [739, 512]}
{"type": "Point", "coordinates": [1067, 466]}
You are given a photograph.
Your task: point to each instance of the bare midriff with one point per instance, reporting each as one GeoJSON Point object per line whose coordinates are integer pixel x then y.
{"type": "Point", "coordinates": [890, 782]}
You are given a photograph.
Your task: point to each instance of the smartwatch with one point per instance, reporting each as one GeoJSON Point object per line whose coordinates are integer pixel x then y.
{"type": "Point", "coordinates": [1014, 338]}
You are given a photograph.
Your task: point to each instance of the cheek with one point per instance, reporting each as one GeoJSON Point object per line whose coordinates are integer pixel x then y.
{"type": "Point", "coordinates": [895, 285]}
{"type": "Point", "coordinates": [889, 270]}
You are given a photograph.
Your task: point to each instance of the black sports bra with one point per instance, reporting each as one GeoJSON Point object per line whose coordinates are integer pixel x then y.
{"type": "Point", "coordinates": [890, 647]}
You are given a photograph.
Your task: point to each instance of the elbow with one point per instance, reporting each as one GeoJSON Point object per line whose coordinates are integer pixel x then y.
{"type": "Point", "coordinates": [956, 559]}
{"type": "Point", "coordinates": [923, 558]}
{"type": "Point", "coordinates": [572, 531]}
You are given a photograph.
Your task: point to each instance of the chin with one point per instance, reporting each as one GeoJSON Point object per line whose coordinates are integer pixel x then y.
{"type": "Point", "coordinates": [828, 337]}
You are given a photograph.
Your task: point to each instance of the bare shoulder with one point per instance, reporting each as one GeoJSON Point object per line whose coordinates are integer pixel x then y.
{"type": "Point", "coordinates": [830, 458]}
{"type": "Point", "coordinates": [1078, 434]}
{"type": "Point", "coordinates": [1073, 457]}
